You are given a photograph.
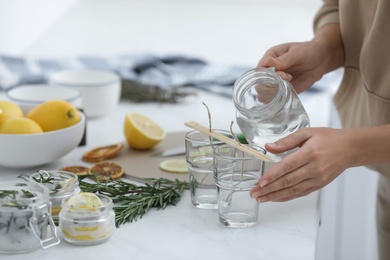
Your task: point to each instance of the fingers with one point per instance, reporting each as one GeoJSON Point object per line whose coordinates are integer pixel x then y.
{"type": "Point", "coordinates": [279, 177]}
{"type": "Point", "coordinates": [298, 195]}
{"type": "Point", "coordinates": [289, 142]}
{"type": "Point", "coordinates": [290, 177]}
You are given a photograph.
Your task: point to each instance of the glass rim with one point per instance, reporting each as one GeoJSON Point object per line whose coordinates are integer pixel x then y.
{"type": "Point", "coordinates": [229, 157]}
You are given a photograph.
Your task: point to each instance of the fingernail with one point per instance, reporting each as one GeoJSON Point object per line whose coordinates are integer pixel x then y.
{"type": "Point", "coordinates": [262, 199]}
{"type": "Point", "coordinates": [271, 144]}
{"type": "Point", "coordinates": [263, 183]}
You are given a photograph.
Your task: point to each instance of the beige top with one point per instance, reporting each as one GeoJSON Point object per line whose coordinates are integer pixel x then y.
{"type": "Point", "coordinates": [363, 98]}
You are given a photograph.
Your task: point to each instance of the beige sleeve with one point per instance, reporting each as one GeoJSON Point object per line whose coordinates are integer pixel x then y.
{"type": "Point", "coordinates": [328, 13]}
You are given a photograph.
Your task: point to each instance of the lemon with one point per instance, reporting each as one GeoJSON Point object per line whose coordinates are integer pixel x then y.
{"type": "Point", "coordinates": [20, 125]}
{"type": "Point", "coordinates": [54, 115]}
{"type": "Point", "coordinates": [141, 132]}
{"type": "Point", "coordinates": [84, 200]}
{"type": "Point", "coordinates": [9, 110]}
{"type": "Point", "coordinates": [174, 166]}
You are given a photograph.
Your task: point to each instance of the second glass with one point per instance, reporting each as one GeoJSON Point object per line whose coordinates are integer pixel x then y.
{"type": "Point", "coordinates": [235, 174]}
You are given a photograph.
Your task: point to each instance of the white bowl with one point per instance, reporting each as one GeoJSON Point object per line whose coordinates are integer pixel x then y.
{"type": "Point", "coordinates": [100, 90]}
{"type": "Point", "coordinates": [30, 150]}
{"type": "Point", "coordinates": [28, 96]}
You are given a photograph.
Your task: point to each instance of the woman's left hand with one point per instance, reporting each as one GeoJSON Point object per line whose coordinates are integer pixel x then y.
{"type": "Point", "coordinates": [323, 155]}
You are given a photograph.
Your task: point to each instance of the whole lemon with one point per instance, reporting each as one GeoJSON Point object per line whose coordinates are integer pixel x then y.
{"type": "Point", "coordinates": [20, 125]}
{"type": "Point", "coordinates": [54, 115]}
{"type": "Point", "coordinates": [141, 132]}
{"type": "Point", "coordinates": [9, 110]}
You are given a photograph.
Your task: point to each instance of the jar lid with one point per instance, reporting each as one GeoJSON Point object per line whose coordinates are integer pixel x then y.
{"type": "Point", "coordinates": [22, 195]}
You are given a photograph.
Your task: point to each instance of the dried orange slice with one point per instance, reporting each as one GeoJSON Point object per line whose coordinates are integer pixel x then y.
{"type": "Point", "coordinates": [102, 153]}
{"type": "Point", "coordinates": [106, 170]}
{"type": "Point", "coordinates": [76, 169]}
{"type": "Point", "coordinates": [174, 166]}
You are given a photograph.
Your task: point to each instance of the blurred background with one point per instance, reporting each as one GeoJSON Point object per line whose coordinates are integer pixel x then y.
{"type": "Point", "coordinates": [235, 32]}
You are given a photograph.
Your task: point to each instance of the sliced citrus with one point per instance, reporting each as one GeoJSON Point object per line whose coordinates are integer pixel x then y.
{"type": "Point", "coordinates": [174, 166]}
{"type": "Point", "coordinates": [76, 169]}
{"type": "Point", "coordinates": [84, 200]}
{"type": "Point", "coordinates": [106, 170]}
{"type": "Point", "coordinates": [102, 153]}
{"type": "Point", "coordinates": [141, 132]}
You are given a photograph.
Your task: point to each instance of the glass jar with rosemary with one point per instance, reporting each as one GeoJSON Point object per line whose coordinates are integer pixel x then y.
{"type": "Point", "coordinates": [61, 185]}
{"type": "Point", "coordinates": [25, 221]}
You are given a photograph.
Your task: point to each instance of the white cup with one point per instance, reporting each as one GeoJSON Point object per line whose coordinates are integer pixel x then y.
{"type": "Point", "coordinates": [100, 90]}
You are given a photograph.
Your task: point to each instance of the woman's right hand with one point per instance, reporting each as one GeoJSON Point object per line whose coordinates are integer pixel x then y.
{"type": "Point", "coordinates": [303, 63]}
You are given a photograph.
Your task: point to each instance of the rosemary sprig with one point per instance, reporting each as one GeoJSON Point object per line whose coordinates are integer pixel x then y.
{"type": "Point", "coordinates": [132, 201]}
{"type": "Point", "coordinates": [44, 177]}
{"type": "Point", "coordinates": [10, 199]}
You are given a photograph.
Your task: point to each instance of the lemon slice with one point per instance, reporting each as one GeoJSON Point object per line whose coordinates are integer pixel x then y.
{"type": "Point", "coordinates": [141, 132]}
{"type": "Point", "coordinates": [174, 166]}
{"type": "Point", "coordinates": [65, 183]}
{"type": "Point", "coordinates": [84, 200]}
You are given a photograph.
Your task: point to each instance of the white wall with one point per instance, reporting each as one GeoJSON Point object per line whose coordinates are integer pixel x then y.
{"type": "Point", "coordinates": [24, 21]}
{"type": "Point", "coordinates": [348, 225]}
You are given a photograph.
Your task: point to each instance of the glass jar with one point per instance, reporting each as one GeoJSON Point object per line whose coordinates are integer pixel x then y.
{"type": "Point", "coordinates": [25, 220]}
{"type": "Point", "coordinates": [61, 185]}
{"type": "Point", "coordinates": [86, 226]}
{"type": "Point", "coordinates": [267, 107]}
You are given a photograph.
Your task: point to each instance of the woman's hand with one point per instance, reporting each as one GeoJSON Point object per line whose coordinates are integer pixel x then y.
{"type": "Point", "coordinates": [323, 155]}
{"type": "Point", "coordinates": [304, 63]}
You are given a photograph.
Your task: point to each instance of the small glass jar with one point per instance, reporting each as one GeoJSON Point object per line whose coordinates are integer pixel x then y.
{"type": "Point", "coordinates": [267, 107]}
{"type": "Point", "coordinates": [86, 226]}
{"type": "Point", "coordinates": [61, 185]}
{"type": "Point", "coordinates": [25, 220]}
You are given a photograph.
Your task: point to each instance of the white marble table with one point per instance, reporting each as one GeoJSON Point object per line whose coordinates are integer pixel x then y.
{"type": "Point", "coordinates": [285, 230]}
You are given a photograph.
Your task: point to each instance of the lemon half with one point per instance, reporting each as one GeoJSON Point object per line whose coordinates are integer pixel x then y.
{"type": "Point", "coordinates": [141, 132]}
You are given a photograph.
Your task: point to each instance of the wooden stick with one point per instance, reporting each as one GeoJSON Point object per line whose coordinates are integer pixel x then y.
{"type": "Point", "coordinates": [229, 141]}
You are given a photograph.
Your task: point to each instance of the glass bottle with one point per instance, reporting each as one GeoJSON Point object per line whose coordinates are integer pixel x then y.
{"type": "Point", "coordinates": [25, 220]}
{"type": "Point", "coordinates": [267, 108]}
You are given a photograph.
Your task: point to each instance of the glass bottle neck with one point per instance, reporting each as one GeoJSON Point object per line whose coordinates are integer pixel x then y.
{"type": "Point", "coordinates": [259, 92]}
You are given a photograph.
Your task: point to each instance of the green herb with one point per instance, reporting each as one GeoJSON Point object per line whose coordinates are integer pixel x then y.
{"type": "Point", "coordinates": [7, 193]}
{"type": "Point", "coordinates": [132, 201]}
{"type": "Point", "coordinates": [28, 194]}
{"type": "Point", "coordinates": [10, 195]}
{"type": "Point", "coordinates": [44, 177]}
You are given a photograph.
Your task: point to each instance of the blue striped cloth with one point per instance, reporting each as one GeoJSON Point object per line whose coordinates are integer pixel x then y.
{"type": "Point", "coordinates": [164, 72]}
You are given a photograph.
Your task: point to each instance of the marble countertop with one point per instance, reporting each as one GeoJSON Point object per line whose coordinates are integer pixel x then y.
{"type": "Point", "coordinates": [284, 231]}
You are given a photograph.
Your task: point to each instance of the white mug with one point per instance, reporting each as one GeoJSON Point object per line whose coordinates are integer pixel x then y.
{"type": "Point", "coordinates": [100, 90]}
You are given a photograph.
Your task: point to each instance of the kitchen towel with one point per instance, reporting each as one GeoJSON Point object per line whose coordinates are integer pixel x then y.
{"type": "Point", "coordinates": [164, 72]}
